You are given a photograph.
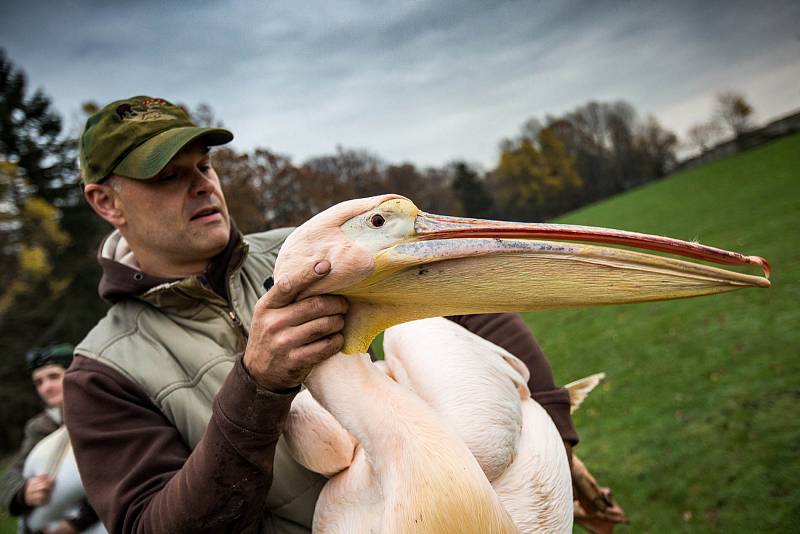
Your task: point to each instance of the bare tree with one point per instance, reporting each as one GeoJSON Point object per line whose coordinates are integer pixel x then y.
{"type": "Point", "coordinates": [734, 111]}
{"type": "Point", "coordinates": [203, 115]}
{"type": "Point", "coordinates": [361, 169]}
{"type": "Point", "coordinates": [704, 134]}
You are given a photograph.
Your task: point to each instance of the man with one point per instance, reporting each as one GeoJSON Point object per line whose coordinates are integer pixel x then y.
{"type": "Point", "coordinates": [20, 496]}
{"type": "Point", "coordinates": [177, 398]}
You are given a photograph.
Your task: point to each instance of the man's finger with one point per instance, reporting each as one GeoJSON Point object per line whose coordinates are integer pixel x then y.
{"type": "Point", "coordinates": [320, 350]}
{"type": "Point", "coordinates": [287, 287]}
{"type": "Point", "coordinates": [317, 329]}
{"type": "Point", "coordinates": [315, 307]}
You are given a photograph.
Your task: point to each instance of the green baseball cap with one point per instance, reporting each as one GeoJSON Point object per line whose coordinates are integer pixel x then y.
{"type": "Point", "coordinates": [137, 137]}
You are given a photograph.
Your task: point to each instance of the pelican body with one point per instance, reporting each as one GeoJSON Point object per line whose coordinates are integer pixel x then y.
{"type": "Point", "coordinates": [415, 461]}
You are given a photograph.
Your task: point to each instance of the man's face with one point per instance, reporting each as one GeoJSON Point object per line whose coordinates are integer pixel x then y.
{"type": "Point", "coordinates": [178, 220]}
{"type": "Point", "coordinates": [47, 381]}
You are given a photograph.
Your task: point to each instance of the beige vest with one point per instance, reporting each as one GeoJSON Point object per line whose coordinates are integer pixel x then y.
{"type": "Point", "coordinates": [179, 341]}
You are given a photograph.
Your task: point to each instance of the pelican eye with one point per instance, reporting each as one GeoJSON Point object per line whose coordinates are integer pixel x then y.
{"type": "Point", "coordinates": [377, 220]}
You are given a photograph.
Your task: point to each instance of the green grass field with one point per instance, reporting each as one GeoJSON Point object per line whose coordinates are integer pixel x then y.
{"type": "Point", "coordinates": [696, 426]}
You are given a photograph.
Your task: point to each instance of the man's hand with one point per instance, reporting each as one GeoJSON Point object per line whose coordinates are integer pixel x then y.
{"type": "Point", "coordinates": [288, 338]}
{"type": "Point", "coordinates": [595, 508]}
{"type": "Point", "coordinates": [64, 527]}
{"type": "Point", "coordinates": [37, 490]}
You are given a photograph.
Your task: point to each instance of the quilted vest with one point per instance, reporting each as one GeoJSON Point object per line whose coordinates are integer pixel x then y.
{"type": "Point", "coordinates": [178, 341]}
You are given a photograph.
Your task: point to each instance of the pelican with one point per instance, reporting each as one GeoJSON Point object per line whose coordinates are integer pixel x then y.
{"type": "Point", "coordinates": [485, 399]}
{"type": "Point", "coordinates": [396, 264]}
{"type": "Point", "coordinates": [53, 456]}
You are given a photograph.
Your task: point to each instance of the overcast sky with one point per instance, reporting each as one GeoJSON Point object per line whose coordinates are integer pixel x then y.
{"type": "Point", "coordinates": [420, 81]}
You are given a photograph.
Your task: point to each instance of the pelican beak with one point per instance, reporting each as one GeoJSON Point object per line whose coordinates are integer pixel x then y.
{"type": "Point", "coordinates": [455, 266]}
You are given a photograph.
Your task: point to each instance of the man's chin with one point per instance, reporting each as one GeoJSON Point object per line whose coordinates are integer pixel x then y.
{"type": "Point", "coordinates": [214, 239]}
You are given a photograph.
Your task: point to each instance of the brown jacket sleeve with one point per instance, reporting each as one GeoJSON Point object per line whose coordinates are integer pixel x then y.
{"type": "Point", "coordinates": [509, 331]}
{"type": "Point", "coordinates": [140, 476]}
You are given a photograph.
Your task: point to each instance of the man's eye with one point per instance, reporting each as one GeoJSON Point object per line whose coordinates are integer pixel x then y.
{"type": "Point", "coordinates": [167, 177]}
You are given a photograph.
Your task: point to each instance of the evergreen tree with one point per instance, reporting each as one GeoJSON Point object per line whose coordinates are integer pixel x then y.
{"type": "Point", "coordinates": [471, 192]}
{"type": "Point", "coordinates": [49, 273]}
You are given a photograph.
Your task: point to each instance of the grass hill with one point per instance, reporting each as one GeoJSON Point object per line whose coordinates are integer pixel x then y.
{"type": "Point", "coordinates": [696, 427]}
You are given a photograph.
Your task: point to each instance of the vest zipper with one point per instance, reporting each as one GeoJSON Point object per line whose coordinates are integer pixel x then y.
{"type": "Point", "coordinates": [237, 324]}
{"type": "Point", "coordinates": [230, 274]}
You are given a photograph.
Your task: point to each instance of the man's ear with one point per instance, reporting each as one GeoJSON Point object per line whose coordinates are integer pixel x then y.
{"type": "Point", "coordinates": [105, 202]}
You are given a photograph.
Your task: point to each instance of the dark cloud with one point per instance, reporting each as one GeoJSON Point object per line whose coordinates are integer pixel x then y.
{"type": "Point", "coordinates": [420, 81]}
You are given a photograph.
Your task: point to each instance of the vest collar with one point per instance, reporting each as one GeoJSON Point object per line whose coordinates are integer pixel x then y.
{"type": "Point", "coordinates": [122, 278]}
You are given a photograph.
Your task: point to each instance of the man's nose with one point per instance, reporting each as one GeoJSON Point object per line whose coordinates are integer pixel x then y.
{"type": "Point", "coordinates": [202, 184]}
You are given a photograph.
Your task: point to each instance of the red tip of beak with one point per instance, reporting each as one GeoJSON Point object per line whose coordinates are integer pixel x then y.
{"type": "Point", "coordinates": [761, 262]}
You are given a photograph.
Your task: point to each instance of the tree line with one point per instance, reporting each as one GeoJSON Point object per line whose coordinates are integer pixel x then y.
{"type": "Point", "coordinates": [593, 152]}
{"type": "Point", "coordinates": [49, 236]}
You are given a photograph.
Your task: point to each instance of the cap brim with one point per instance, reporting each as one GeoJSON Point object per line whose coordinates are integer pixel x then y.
{"type": "Point", "coordinates": [147, 160]}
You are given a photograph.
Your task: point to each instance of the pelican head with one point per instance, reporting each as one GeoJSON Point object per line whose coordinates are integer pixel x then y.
{"type": "Point", "coordinates": [396, 263]}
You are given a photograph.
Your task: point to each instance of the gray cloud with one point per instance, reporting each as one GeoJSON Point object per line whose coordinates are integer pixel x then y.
{"type": "Point", "coordinates": [418, 81]}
